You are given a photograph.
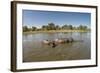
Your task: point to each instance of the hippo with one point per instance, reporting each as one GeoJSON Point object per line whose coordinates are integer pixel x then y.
{"type": "Point", "coordinates": [50, 43]}
{"type": "Point", "coordinates": [69, 40]}
{"type": "Point", "coordinates": [64, 40]}
{"type": "Point", "coordinates": [59, 41]}
{"type": "Point", "coordinates": [55, 42]}
{"type": "Point", "coordinates": [46, 42]}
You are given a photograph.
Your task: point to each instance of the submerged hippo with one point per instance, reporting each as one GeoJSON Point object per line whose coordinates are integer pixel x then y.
{"type": "Point", "coordinates": [69, 40]}
{"type": "Point", "coordinates": [53, 44]}
{"type": "Point", "coordinates": [56, 42]}
{"type": "Point", "coordinates": [50, 43]}
{"type": "Point", "coordinates": [59, 41]}
{"type": "Point", "coordinates": [64, 40]}
{"type": "Point", "coordinates": [46, 42]}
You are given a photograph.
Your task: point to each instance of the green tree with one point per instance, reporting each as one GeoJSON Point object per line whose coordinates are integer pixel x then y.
{"type": "Point", "coordinates": [85, 28]}
{"type": "Point", "coordinates": [44, 27]}
{"type": "Point", "coordinates": [65, 26]}
{"type": "Point", "coordinates": [51, 26]}
{"type": "Point", "coordinates": [70, 27]}
{"type": "Point", "coordinates": [57, 27]}
{"type": "Point", "coordinates": [81, 27]}
{"type": "Point", "coordinates": [34, 28]}
{"type": "Point", "coordinates": [25, 28]}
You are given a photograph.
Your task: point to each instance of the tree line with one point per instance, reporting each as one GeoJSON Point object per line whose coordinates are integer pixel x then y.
{"type": "Point", "coordinates": [52, 26]}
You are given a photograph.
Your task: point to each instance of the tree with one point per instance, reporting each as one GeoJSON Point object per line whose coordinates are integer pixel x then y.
{"type": "Point", "coordinates": [85, 28]}
{"type": "Point", "coordinates": [34, 28]}
{"type": "Point", "coordinates": [44, 27]}
{"type": "Point", "coordinates": [25, 28]}
{"type": "Point", "coordinates": [57, 27]}
{"type": "Point", "coordinates": [51, 26]}
{"type": "Point", "coordinates": [81, 27]}
{"type": "Point", "coordinates": [65, 27]}
{"type": "Point", "coordinates": [70, 27]}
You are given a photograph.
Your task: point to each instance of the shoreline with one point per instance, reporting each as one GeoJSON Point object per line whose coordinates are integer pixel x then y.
{"type": "Point", "coordinates": [56, 31]}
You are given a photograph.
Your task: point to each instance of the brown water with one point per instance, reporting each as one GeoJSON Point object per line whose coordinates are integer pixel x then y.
{"type": "Point", "coordinates": [34, 50]}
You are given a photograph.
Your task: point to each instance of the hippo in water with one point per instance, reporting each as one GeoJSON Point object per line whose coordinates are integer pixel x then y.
{"type": "Point", "coordinates": [64, 40]}
{"type": "Point", "coordinates": [51, 43]}
{"type": "Point", "coordinates": [59, 41]}
{"type": "Point", "coordinates": [55, 42]}
{"type": "Point", "coordinates": [69, 40]}
{"type": "Point", "coordinates": [46, 42]}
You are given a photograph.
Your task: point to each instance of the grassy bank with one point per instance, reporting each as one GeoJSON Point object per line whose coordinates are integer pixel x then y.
{"type": "Point", "coordinates": [55, 31]}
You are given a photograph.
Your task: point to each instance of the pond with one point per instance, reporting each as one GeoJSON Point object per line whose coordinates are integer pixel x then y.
{"type": "Point", "coordinates": [35, 51]}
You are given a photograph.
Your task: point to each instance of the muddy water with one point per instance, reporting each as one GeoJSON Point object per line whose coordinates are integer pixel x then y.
{"type": "Point", "coordinates": [34, 50]}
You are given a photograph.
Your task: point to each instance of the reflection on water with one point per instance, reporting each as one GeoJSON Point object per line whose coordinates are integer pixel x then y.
{"type": "Point", "coordinates": [34, 50]}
